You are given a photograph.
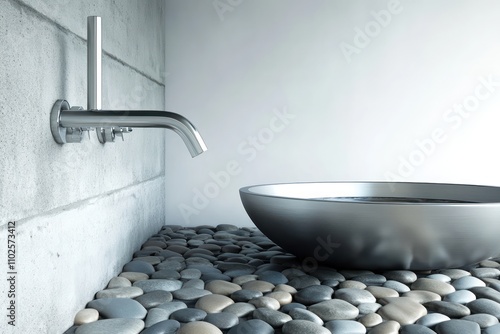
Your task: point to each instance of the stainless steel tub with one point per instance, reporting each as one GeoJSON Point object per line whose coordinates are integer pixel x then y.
{"type": "Point", "coordinates": [379, 225]}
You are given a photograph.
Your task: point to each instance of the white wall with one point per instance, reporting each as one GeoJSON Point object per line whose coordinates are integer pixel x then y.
{"type": "Point", "coordinates": [355, 117]}
{"type": "Point", "coordinates": [80, 209]}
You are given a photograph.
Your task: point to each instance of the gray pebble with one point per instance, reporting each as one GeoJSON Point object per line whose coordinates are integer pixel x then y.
{"type": "Point", "coordinates": [273, 277]}
{"type": "Point", "coordinates": [452, 310]}
{"type": "Point", "coordinates": [335, 309]}
{"type": "Point", "coordinates": [118, 308]}
{"type": "Point", "coordinates": [355, 296]}
{"type": "Point", "coordinates": [156, 315]}
{"type": "Point", "coordinates": [467, 282]}
{"type": "Point", "coordinates": [349, 274]}
{"type": "Point", "coordinates": [245, 295]}
{"type": "Point", "coordinates": [324, 274]}
{"type": "Point", "coordinates": [288, 307]}
{"type": "Point", "coordinates": [195, 283]}
{"type": "Point", "coordinates": [252, 326]}
{"type": "Point", "coordinates": [458, 326]}
{"type": "Point", "coordinates": [163, 327]}
{"type": "Point", "coordinates": [158, 284]}
{"type": "Point", "coordinates": [223, 320]}
{"type": "Point", "coordinates": [139, 267]}
{"type": "Point", "coordinates": [172, 306]}
{"type": "Point", "coordinates": [366, 308]}
{"type": "Point", "coordinates": [483, 305]}
{"type": "Point", "coordinates": [440, 277]}
{"type": "Point", "coordinates": [345, 326]}
{"type": "Point", "coordinates": [301, 314]}
{"type": "Point", "coordinates": [166, 274]}
{"type": "Point", "coordinates": [208, 277]}
{"type": "Point", "coordinates": [272, 317]}
{"type": "Point", "coordinates": [189, 294]}
{"type": "Point", "coordinates": [460, 297]}
{"type": "Point", "coordinates": [495, 329]}
{"type": "Point", "coordinates": [112, 326]}
{"type": "Point", "coordinates": [432, 319]}
{"type": "Point", "coordinates": [154, 298]}
{"type": "Point", "coordinates": [397, 286]}
{"type": "Point", "coordinates": [303, 281]}
{"type": "Point", "coordinates": [188, 315]}
{"type": "Point", "coordinates": [485, 272]}
{"type": "Point", "coordinates": [428, 284]}
{"type": "Point", "coordinates": [416, 329]}
{"type": "Point", "coordinates": [403, 276]}
{"type": "Point", "coordinates": [125, 292]}
{"type": "Point", "coordinates": [190, 274]}
{"type": "Point", "coordinates": [371, 279]}
{"type": "Point", "coordinates": [454, 273]}
{"type": "Point", "coordinates": [303, 326]}
{"type": "Point", "coordinates": [486, 292]}
{"type": "Point", "coordinates": [313, 294]}
{"type": "Point", "coordinates": [482, 319]}
{"type": "Point", "coordinates": [240, 309]}
{"type": "Point", "coordinates": [171, 264]}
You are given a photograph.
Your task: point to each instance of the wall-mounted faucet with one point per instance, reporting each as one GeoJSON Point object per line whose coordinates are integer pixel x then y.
{"type": "Point", "coordinates": [68, 124]}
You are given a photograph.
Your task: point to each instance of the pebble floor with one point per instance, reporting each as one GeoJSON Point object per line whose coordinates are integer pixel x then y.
{"type": "Point", "coordinates": [224, 279]}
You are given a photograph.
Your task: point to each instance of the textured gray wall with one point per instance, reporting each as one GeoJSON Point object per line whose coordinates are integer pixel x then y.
{"type": "Point", "coordinates": [80, 209]}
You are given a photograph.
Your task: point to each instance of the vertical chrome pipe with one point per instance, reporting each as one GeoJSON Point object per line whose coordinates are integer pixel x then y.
{"type": "Point", "coordinates": [94, 51]}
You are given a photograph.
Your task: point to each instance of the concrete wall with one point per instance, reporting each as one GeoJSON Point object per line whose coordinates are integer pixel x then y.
{"type": "Point", "coordinates": [329, 90]}
{"type": "Point", "coordinates": [80, 209]}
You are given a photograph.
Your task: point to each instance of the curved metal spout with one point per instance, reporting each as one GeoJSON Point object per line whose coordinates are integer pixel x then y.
{"type": "Point", "coordinates": [136, 118]}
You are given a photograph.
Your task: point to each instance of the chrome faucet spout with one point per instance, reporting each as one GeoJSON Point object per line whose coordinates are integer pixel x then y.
{"type": "Point", "coordinates": [136, 118]}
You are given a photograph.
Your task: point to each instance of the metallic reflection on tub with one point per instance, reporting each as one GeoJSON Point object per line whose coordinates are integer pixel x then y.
{"type": "Point", "coordinates": [379, 225]}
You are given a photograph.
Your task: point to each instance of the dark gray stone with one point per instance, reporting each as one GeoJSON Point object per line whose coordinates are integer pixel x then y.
{"type": "Point", "coordinates": [324, 274]}
{"type": "Point", "coordinates": [171, 264]}
{"type": "Point", "coordinates": [223, 320]}
{"type": "Point", "coordinates": [252, 326]}
{"type": "Point", "coordinates": [416, 329]}
{"type": "Point", "coordinates": [140, 267]}
{"type": "Point", "coordinates": [240, 309]}
{"type": "Point", "coordinates": [355, 296]}
{"type": "Point", "coordinates": [112, 326]}
{"type": "Point", "coordinates": [345, 326]}
{"type": "Point", "coordinates": [313, 294]}
{"type": "Point", "coordinates": [301, 314]}
{"type": "Point", "coordinates": [483, 320]}
{"type": "Point", "coordinates": [158, 284]}
{"type": "Point", "coordinates": [194, 283]}
{"type": "Point", "coordinates": [371, 279]}
{"type": "Point", "coordinates": [303, 326]}
{"type": "Point", "coordinates": [486, 292]}
{"type": "Point", "coordinates": [403, 276]}
{"type": "Point", "coordinates": [452, 310]}
{"type": "Point", "coordinates": [245, 295]}
{"type": "Point", "coordinates": [485, 272]}
{"type": "Point", "coordinates": [304, 281]}
{"type": "Point", "coordinates": [166, 274]}
{"type": "Point", "coordinates": [154, 298]}
{"type": "Point", "coordinates": [484, 305]}
{"type": "Point", "coordinates": [467, 282]}
{"type": "Point", "coordinates": [190, 294]}
{"type": "Point", "coordinates": [495, 329]}
{"type": "Point", "coordinates": [188, 315]}
{"type": "Point", "coordinates": [172, 306]}
{"type": "Point", "coordinates": [118, 308]}
{"type": "Point", "coordinates": [272, 317]}
{"type": "Point", "coordinates": [273, 277]}
{"type": "Point", "coordinates": [455, 326]}
{"type": "Point", "coordinates": [208, 277]}
{"type": "Point", "coordinates": [288, 307]}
